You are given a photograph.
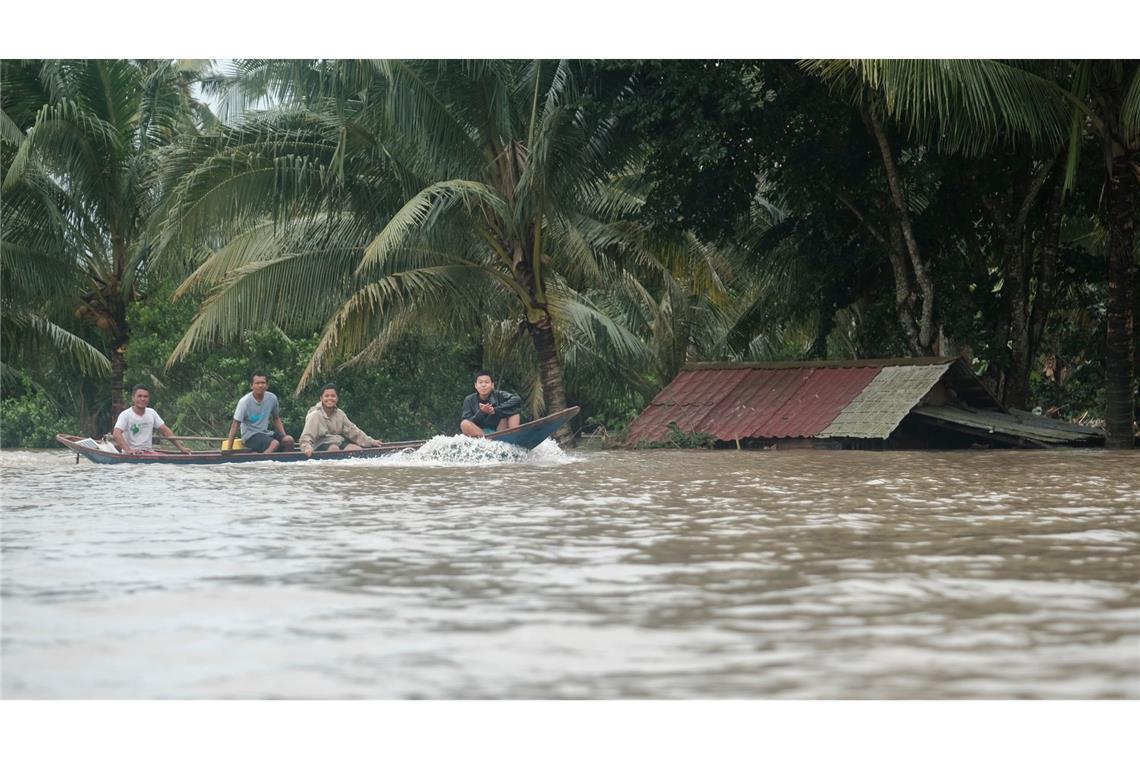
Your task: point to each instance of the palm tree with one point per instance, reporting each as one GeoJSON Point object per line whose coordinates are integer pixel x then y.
{"type": "Point", "coordinates": [970, 106]}
{"type": "Point", "coordinates": [37, 274]}
{"type": "Point", "coordinates": [460, 193]}
{"type": "Point", "coordinates": [87, 135]}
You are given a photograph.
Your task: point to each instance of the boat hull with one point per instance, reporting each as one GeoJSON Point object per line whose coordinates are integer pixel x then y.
{"type": "Point", "coordinates": [526, 436]}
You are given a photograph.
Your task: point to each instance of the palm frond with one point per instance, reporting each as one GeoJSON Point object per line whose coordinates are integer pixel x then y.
{"type": "Point", "coordinates": [366, 313]}
{"type": "Point", "coordinates": [409, 218]}
{"type": "Point", "coordinates": [26, 331]}
{"type": "Point", "coordinates": [967, 105]}
{"type": "Point", "coordinates": [1130, 110]}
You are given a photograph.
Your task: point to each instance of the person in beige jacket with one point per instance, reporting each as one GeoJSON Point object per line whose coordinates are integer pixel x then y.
{"type": "Point", "coordinates": [327, 428]}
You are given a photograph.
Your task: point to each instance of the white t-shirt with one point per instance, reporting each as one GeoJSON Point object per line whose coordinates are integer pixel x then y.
{"type": "Point", "coordinates": [139, 431]}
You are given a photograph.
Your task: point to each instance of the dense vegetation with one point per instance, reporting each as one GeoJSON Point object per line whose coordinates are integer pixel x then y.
{"type": "Point", "coordinates": [580, 228]}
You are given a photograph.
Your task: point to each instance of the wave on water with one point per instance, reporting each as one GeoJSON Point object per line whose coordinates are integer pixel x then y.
{"type": "Point", "coordinates": [19, 459]}
{"type": "Point", "coordinates": [462, 450]}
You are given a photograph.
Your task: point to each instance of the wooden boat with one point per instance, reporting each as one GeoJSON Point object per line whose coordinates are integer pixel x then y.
{"type": "Point", "coordinates": [526, 436]}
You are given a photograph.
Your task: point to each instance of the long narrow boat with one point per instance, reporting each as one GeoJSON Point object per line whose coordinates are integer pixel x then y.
{"type": "Point", "coordinates": [527, 436]}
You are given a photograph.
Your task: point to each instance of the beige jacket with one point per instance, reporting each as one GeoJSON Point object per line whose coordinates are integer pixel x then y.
{"type": "Point", "coordinates": [321, 429]}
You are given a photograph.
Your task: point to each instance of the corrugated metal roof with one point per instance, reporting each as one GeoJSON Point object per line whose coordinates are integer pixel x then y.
{"type": "Point", "coordinates": [686, 401]}
{"type": "Point", "coordinates": [850, 399]}
{"type": "Point", "coordinates": [787, 403]}
{"type": "Point", "coordinates": [818, 401]}
{"type": "Point", "coordinates": [754, 401]}
{"type": "Point", "coordinates": [697, 387]}
{"type": "Point", "coordinates": [758, 398]}
{"type": "Point", "coordinates": [883, 403]}
{"type": "Point", "coordinates": [899, 361]}
{"type": "Point", "coordinates": [1018, 425]}
{"type": "Point", "coordinates": [652, 425]}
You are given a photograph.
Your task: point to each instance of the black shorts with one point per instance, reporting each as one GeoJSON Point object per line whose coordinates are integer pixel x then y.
{"type": "Point", "coordinates": [259, 442]}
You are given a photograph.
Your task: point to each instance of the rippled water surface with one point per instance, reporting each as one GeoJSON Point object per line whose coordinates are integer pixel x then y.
{"type": "Point", "coordinates": [467, 570]}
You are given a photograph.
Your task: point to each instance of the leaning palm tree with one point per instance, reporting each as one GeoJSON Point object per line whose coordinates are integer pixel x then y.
{"type": "Point", "coordinates": [86, 136]}
{"type": "Point", "coordinates": [970, 106]}
{"type": "Point", "coordinates": [401, 192]}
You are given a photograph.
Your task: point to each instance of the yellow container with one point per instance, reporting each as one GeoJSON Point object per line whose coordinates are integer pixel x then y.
{"type": "Point", "coordinates": [237, 445]}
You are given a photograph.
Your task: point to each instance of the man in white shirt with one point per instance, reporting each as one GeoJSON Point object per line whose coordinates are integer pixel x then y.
{"type": "Point", "coordinates": [134, 430]}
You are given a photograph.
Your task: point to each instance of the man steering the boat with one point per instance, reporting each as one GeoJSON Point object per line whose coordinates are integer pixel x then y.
{"type": "Point", "coordinates": [134, 429]}
{"type": "Point", "coordinates": [254, 413]}
{"type": "Point", "coordinates": [328, 428]}
{"type": "Point", "coordinates": [488, 410]}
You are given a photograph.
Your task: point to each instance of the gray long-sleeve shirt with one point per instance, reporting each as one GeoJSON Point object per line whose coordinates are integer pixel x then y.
{"type": "Point", "coordinates": [505, 403]}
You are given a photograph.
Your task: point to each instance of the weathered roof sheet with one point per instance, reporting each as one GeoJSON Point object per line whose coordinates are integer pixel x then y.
{"type": "Point", "coordinates": [783, 400]}
{"type": "Point", "coordinates": [845, 399]}
{"type": "Point", "coordinates": [758, 400]}
{"type": "Point", "coordinates": [881, 406]}
{"type": "Point", "coordinates": [1016, 424]}
{"type": "Point", "coordinates": [818, 398]}
{"type": "Point", "coordinates": [686, 401]}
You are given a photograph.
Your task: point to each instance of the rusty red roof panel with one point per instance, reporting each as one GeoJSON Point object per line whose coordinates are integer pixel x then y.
{"type": "Point", "coordinates": [752, 402]}
{"type": "Point", "coordinates": [759, 398]}
{"type": "Point", "coordinates": [700, 386]}
{"type": "Point", "coordinates": [651, 426]}
{"type": "Point", "coordinates": [687, 401]}
{"type": "Point", "coordinates": [816, 402]}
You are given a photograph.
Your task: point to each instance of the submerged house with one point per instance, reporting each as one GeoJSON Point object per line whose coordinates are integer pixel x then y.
{"type": "Point", "coordinates": [928, 402]}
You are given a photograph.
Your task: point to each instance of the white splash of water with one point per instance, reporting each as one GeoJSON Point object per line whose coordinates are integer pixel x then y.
{"type": "Point", "coordinates": [461, 450]}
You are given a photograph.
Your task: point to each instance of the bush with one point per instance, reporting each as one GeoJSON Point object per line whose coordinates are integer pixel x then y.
{"type": "Point", "coordinates": [32, 421]}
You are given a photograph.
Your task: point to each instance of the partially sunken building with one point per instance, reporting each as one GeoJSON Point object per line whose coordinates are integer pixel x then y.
{"type": "Point", "coordinates": [930, 402]}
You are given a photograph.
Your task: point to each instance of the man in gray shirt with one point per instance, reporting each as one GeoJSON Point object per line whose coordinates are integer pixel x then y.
{"type": "Point", "coordinates": [254, 413]}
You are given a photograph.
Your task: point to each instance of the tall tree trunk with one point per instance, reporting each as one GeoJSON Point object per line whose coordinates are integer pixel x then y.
{"type": "Point", "coordinates": [118, 372]}
{"type": "Point", "coordinates": [1046, 273]}
{"type": "Point", "coordinates": [1016, 387]}
{"type": "Point", "coordinates": [926, 327]}
{"type": "Point", "coordinates": [549, 367]}
{"type": "Point", "coordinates": [89, 419]}
{"type": "Point", "coordinates": [1014, 333]}
{"type": "Point", "coordinates": [826, 324]}
{"type": "Point", "coordinates": [905, 297]}
{"type": "Point", "coordinates": [117, 296]}
{"type": "Point", "coordinates": [1122, 205]}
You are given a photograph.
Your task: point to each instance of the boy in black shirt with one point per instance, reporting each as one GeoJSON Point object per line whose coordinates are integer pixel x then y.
{"type": "Point", "coordinates": [488, 410]}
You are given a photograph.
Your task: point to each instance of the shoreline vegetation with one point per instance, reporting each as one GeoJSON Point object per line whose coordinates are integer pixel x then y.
{"type": "Point", "coordinates": [581, 228]}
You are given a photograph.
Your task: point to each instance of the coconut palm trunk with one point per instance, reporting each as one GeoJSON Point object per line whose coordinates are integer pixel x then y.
{"type": "Point", "coordinates": [1122, 209]}
{"type": "Point", "coordinates": [549, 366]}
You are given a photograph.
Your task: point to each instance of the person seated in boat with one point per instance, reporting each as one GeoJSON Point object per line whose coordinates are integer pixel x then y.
{"type": "Point", "coordinates": [134, 429]}
{"type": "Point", "coordinates": [255, 412]}
{"type": "Point", "coordinates": [488, 410]}
{"type": "Point", "coordinates": [328, 428]}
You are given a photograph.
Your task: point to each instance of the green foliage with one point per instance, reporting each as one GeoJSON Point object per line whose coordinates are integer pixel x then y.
{"type": "Point", "coordinates": [613, 413]}
{"type": "Point", "coordinates": [689, 439]}
{"type": "Point", "coordinates": [681, 439]}
{"type": "Point", "coordinates": [414, 391]}
{"type": "Point", "coordinates": [391, 226]}
{"type": "Point", "coordinates": [31, 419]}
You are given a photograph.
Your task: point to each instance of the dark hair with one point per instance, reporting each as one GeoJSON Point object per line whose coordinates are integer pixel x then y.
{"type": "Point", "coordinates": [256, 374]}
{"type": "Point", "coordinates": [482, 372]}
{"type": "Point", "coordinates": [329, 387]}
{"type": "Point", "coordinates": [140, 387]}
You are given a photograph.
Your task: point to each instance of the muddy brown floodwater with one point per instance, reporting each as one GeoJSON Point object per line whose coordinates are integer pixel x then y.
{"type": "Point", "coordinates": [468, 570]}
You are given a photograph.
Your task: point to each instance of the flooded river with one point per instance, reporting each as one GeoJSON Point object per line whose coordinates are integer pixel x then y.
{"type": "Point", "coordinates": [469, 571]}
